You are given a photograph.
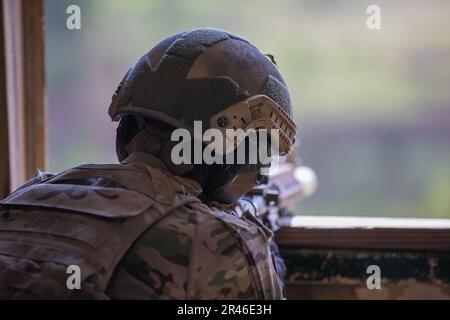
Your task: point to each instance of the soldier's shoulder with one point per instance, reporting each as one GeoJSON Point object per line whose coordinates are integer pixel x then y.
{"type": "Point", "coordinates": [191, 219]}
{"type": "Point", "coordinates": [202, 218]}
{"type": "Point", "coordinates": [196, 226]}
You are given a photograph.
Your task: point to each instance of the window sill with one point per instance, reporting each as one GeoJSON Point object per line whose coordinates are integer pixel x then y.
{"type": "Point", "coordinates": [366, 233]}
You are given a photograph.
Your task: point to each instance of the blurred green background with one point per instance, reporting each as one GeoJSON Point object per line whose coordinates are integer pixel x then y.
{"type": "Point", "coordinates": [373, 107]}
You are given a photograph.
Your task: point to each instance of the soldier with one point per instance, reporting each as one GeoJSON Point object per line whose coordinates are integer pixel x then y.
{"type": "Point", "coordinates": [148, 228]}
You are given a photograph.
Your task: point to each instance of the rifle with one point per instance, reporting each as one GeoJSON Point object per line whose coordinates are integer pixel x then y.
{"type": "Point", "coordinates": [269, 202]}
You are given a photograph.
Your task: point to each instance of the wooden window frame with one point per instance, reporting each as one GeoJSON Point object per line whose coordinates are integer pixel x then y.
{"type": "Point", "coordinates": [370, 233]}
{"type": "Point", "coordinates": [22, 81]}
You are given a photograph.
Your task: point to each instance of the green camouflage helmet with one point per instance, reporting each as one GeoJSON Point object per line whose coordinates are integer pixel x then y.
{"type": "Point", "coordinates": [209, 75]}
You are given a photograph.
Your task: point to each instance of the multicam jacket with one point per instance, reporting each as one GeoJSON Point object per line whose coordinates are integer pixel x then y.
{"type": "Point", "coordinates": [136, 232]}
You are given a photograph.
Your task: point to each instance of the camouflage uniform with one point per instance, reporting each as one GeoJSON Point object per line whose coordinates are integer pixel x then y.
{"type": "Point", "coordinates": [135, 218]}
{"type": "Point", "coordinates": [138, 229]}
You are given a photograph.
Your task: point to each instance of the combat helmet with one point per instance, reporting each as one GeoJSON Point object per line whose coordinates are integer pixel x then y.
{"type": "Point", "coordinates": [206, 75]}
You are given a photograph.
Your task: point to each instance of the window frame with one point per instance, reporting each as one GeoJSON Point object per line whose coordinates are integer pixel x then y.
{"type": "Point", "coordinates": [366, 233]}
{"type": "Point", "coordinates": [22, 82]}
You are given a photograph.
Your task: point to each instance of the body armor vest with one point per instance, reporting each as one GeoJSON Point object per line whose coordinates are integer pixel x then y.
{"type": "Point", "coordinates": [84, 217]}
{"type": "Point", "coordinates": [90, 216]}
